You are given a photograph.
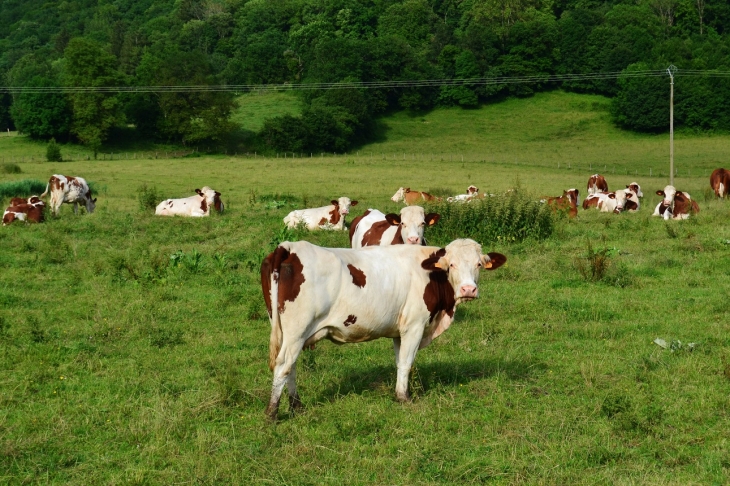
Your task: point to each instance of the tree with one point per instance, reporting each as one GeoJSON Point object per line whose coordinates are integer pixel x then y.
{"type": "Point", "coordinates": [42, 115]}
{"type": "Point", "coordinates": [87, 64]}
{"type": "Point", "coordinates": [642, 103]}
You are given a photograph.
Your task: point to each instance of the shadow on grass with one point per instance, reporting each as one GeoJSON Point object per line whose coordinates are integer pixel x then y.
{"type": "Point", "coordinates": [429, 376]}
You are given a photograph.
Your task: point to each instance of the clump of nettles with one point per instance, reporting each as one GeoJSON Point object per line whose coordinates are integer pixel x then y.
{"type": "Point", "coordinates": [53, 152]}
{"type": "Point", "coordinates": [147, 197]}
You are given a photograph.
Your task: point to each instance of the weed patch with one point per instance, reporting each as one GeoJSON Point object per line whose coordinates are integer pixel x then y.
{"type": "Point", "coordinates": [148, 197]}
{"type": "Point", "coordinates": [11, 169]}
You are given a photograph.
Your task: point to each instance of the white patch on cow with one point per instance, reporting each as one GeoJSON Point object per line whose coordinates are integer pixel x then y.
{"type": "Point", "coordinates": [189, 206]}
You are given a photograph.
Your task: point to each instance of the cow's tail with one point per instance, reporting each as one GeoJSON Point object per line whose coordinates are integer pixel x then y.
{"type": "Point", "coordinates": [270, 273]}
{"type": "Point", "coordinates": [45, 193]}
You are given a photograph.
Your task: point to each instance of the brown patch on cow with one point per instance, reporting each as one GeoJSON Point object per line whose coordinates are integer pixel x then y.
{"type": "Point", "coordinates": [630, 205]}
{"type": "Point", "coordinates": [335, 214]}
{"type": "Point", "coordinates": [291, 279]}
{"type": "Point", "coordinates": [720, 176]}
{"type": "Point", "coordinates": [373, 236]}
{"type": "Point", "coordinates": [398, 237]}
{"type": "Point", "coordinates": [358, 276]}
{"type": "Point", "coordinates": [322, 221]}
{"type": "Point", "coordinates": [55, 183]}
{"type": "Point", "coordinates": [599, 182]}
{"type": "Point", "coordinates": [439, 294]}
{"type": "Point", "coordinates": [354, 223]}
{"type": "Point", "coordinates": [350, 320]}
{"type": "Point", "coordinates": [565, 203]}
{"type": "Point", "coordinates": [8, 217]}
{"type": "Point", "coordinates": [217, 203]}
{"type": "Point", "coordinates": [204, 205]}
{"type": "Point", "coordinates": [590, 202]}
{"type": "Point", "coordinates": [16, 201]}
{"type": "Point", "coordinates": [663, 208]}
{"type": "Point", "coordinates": [430, 262]}
{"type": "Point", "coordinates": [695, 207]}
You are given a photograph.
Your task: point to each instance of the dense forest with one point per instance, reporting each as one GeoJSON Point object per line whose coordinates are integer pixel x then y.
{"type": "Point", "coordinates": [236, 42]}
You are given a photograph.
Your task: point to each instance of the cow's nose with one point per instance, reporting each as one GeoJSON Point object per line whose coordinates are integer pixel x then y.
{"type": "Point", "coordinates": [345, 211]}
{"type": "Point", "coordinates": [469, 291]}
{"type": "Point", "coordinates": [414, 240]}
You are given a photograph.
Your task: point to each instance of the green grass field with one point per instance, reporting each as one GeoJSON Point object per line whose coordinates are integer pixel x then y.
{"type": "Point", "coordinates": [134, 348]}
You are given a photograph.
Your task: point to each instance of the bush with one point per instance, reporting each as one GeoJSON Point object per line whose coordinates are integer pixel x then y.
{"type": "Point", "coordinates": [15, 169]}
{"type": "Point", "coordinates": [147, 197]}
{"type": "Point", "coordinates": [53, 152]}
{"type": "Point", "coordinates": [21, 188]}
{"type": "Point", "coordinates": [506, 218]}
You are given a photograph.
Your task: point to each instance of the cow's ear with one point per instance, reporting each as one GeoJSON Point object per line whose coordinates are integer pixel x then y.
{"type": "Point", "coordinates": [436, 261]}
{"type": "Point", "coordinates": [432, 218]}
{"type": "Point", "coordinates": [335, 202]}
{"type": "Point", "coordinates": [627, 186]}
{"type": "Point", "coordinates": [353, 203]}
{"type": "Point", "coordinates": [408, 189]}
{"type": "Point", "coordinates": [94, 200]}
{"type": "Point", "coordinates": [199, 192]}
{"type": "Point", "coordinates": [393, 219]}
{"type": "Point", "coordinates": [660, 193]}
{"type": "Point", "coordinates": [612, 195]}
{"type": "Point", "coordinates": [217, 193]}
{"type": "Point", "coordinates": [492, 261]}
{"type": "Point", "coordinates": [680, 197]}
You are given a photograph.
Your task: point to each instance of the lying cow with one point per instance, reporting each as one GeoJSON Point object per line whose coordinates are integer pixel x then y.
{"type": "Point", "coordinates": [597, 184]}
{"type": "Point", "coordinates": [24, 212]}
{"type": "Point", "coordinates": [377, 229]}
{"type": "Point", "coordinates": [567, 202]}
{"type": "Point", "coordinates": [194, 206]}
{"type": "Point", "coordinates": [636, 188]}
{"type": "Point", "coordinates": [720, 181]}
{"type": "Point", "coordinates": [412, 197]}
{"type": "Point", "coordinates": [471, 193]}
{"type": "Point", "coordinates": [404, 292]}
{"type": "Point", "coordinates": [675, 205]}
{"type": "Point", "coordinates": [327, 217]}
{"type": "Point", "coordinates": [71, 190]}
{"type": "Point", "coordinates": [613, 202]}
{"type": "Point", "coordinates": [16, 201]}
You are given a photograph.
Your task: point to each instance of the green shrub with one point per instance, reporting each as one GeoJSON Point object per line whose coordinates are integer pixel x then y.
{"type": "Point", "coordinates": [148, 197]}
{"type": "Point", "coordinates": [506, 218]}
{"type": "Point", "coordinates": [53, 152]}
{"type": "Point", "coordinates": [15, 169]}
{"type": "Point", "coordinates": [21, 188]}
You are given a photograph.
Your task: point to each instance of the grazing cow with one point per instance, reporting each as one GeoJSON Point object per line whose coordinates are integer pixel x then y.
{"type": "Point", "coordinates": [675, 205]}
{"type": "Point", "coordinates": [471, 193]}
{"type": "Point", "coordinates": [720, 181]}
{"type": "Point", "coordinates": [327, 217]}
{"type": "Point", "coordinates": [194, 206]}
{"type": "Point", "coordinates": [567, 202]}
{"type": "Point", "coordinates": [404, 292]}
{"type": "Point", "coordinates": [16, 201]}
{"type": "Point", "coordinates": [636, 188]}
{"type": "Point", "coordinates": [613, 202]}
{"type": "Point", "coordinates": [597, 184]}
{"type": "Point", "coordinates": [412, 197]}
{"type": "Point", "coordinates": [24, 212]}
{"type": "Point", "coordinates": [67, 189]}
{"type": "Point", "coordinates": [377, 229]}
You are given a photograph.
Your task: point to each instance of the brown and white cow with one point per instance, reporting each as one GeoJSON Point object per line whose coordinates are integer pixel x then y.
{"type": "Point", "coordinates": [72, 190]}
{"type": "Point", "coordinates": [412, 197]}
{"type": "Point", "coordinates": [567, 202]}
{"type": "Point", "coordinates": [675, 205]}
{"type": "Point", "coordinates": [194, 206]}
{"type": "Point", "coordinates": [327, 217]}
{"type": "Point", "coordinates": [407, 293]}
{"type": "Point", "coordinates": [636, 188]}
{"type": "Point", "coordinates": [377, 229]}
{"type": "Point", "coordinates": [613, 202]}
{"type": "Point", "coordinates": [720, 182]}
{"type": "Point", "coordinates": [597, 184]}
{"type": "Point", "coordinates": [29, 200]}
{"type": "Point", "coordinates": [24, 212]}
{"type": "Point", "coordinates": [471, 193]}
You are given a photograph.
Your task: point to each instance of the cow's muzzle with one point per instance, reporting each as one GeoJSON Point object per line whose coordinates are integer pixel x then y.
{"type": "Point", "coordinates": [413, 240]}
{"type": "Point", "coordinates": [468, 292]}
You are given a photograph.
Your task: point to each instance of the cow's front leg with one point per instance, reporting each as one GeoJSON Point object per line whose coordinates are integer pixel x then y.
{"type": "Point", "coordinates": [407, 354]}
{"type": "Point", "coordinates": [396, 350]}
{"type": "Point", "coordinates": [76, 208]}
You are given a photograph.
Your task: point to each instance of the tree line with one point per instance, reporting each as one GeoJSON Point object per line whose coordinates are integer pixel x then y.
{"type": "Point", "coordinates": [234, 42]}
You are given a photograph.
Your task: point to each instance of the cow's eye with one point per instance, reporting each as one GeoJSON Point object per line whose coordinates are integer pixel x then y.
{"type": "Point", "coordinates": [452, 266]}
{"type": "Point", "coordinates": [479, 264]}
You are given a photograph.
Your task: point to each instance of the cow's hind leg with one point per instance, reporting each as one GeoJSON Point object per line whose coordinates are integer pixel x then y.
{"type": "Point", "coordinates": [295, 404]}
{"type": "Point", "coordinates": [284, 367]}
{"type": "Point", "coordinates": [76, 208]}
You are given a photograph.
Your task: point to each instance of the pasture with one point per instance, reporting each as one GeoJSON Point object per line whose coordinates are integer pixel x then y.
{"type": "Point", "coordinates": [134, 348]}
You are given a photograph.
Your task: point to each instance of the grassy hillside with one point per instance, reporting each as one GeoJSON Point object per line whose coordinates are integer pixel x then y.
{"type": "Point", "coordinates": [133, 349]}
{"type": "Point", "coordinates": [254, 108]}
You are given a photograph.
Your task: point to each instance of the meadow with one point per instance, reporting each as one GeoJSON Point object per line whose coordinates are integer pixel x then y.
{"type": "Point", "coordinates": [134, 348]}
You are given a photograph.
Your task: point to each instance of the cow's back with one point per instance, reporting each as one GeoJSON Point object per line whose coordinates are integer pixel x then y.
{"type": "Point", "coordinates": [374, 230]}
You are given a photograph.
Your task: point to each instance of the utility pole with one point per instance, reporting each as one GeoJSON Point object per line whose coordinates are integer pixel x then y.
{"type": "Point", "coordinates": [671, 70]}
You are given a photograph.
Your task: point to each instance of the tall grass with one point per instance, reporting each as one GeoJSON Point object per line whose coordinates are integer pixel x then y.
{"type": "Point", "coordinates": [508, 218]}
{"type": "Point", "coordinates": [21, 188]}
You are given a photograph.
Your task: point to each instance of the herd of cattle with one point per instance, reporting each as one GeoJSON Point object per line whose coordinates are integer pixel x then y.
{"type": "Point", "coordinates": [389, 284]}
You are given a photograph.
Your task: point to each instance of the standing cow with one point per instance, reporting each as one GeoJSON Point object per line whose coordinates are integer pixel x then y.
{"type": "Point", "coordinates": [325, 217]}
{"type": "Point", "coordinates": [377, 229]}
{"type": "Point", "coordinates": [194, 206]}
{"type": "Point", "coordinates": [72, 190]}
{"type": "Point", "coordinates": [720, 182]}
{"type": "Point", "coordinates": [407, 293]}
{"type": "Point", "coordinates": [597, 184]}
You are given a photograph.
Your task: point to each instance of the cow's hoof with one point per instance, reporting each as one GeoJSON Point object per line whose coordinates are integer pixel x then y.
{"type": "Point", "coordinates": [403, 398]}
{"type": "Point", "coordinates": [272, 411]}
{"type": "Point", "coordinates": [295, 404]}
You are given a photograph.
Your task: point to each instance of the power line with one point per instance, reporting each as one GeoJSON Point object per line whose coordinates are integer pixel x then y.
{"type": "Point", "coordinates": [386, 84]}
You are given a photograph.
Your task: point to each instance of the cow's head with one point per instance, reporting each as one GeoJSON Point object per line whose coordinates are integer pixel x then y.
{"type": "Point", "coordinates": [210, 198]}
{"type": "Point", "coordinates": [472, 190]}
{"type": "Point", "coordinates": [343, 205]}
{"type": "Point", "coordinates": [636, 188]}
{"type": "Point", "coordinates": [573, 195]}
{"type": "Point", "coordinates": [668, 194]}
{"type": "Point", "coordinates": [90, 203]}
{"type": "Point", "coordinates": [412, 221]}
{"type": "Point", "coordinates": [632, 201]}
{"type": "Point", "coordinates": [462, 260]}
{"type": "Point", "coordinates": [620, 198]}
{"type": "Point", "coordinates": [399, 195]}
